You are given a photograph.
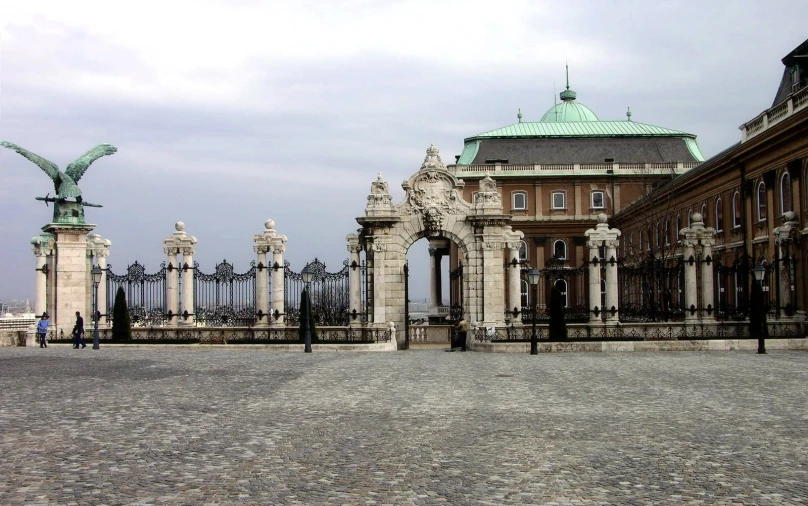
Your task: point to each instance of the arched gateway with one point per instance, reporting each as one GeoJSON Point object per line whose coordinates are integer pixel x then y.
{"type": "Point", "coordinates": [434, 207]}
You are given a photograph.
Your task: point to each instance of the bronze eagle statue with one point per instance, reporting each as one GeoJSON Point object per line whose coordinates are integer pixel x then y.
{"type": "Point", "coordinates": [65, 182]}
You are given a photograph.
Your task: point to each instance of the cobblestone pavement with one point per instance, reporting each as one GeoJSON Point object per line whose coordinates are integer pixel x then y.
{"type": "Point", "coordinates": [240, 426]}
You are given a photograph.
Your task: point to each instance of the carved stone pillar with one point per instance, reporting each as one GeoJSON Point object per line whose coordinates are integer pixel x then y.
{"type": "Point", "coordinates": [691, 289]}
{"type": "Point", "coordinates": [261, 249]}
{"type": "Point", "coordinates": [599, 236]}
{"type": "Point", "coordinates": [434, 294]}
{"type": "Point", "coordinates": [783, 242]}
{"type": "Point", "coordinates": [612, 315]}
{"type": "Point", "coordinates": [513, 240]}
{"type": "Point", "coordinates": [98, 250]}
{"type": "Point", "coordinates": [277, 245]}
{"type": "Point", "coordinates": [43, 248]}
{"type": "Point", "coordinates": [354, 278]}
{"type": "Point", "coordinates": [707, 284]}
{"type": "Point", "coordinates": [595, 311]}
{"type": "Point", "coordinates": [180, 243]}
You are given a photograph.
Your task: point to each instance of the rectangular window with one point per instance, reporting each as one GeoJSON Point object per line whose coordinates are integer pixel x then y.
{"type": "Point", "coordinates": [519, 201]}
{"type": "Point", "coordinates": [598, 200]}
{"type": "Point", "coordinates": [559, 200]}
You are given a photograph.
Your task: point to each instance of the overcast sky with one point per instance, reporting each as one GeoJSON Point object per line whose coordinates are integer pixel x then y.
{"type": "Point", "coordinates": [226, 113]}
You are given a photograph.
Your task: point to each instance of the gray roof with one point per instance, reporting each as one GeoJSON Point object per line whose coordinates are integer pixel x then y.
{"type": "Point", "coordinates": [585, 150]}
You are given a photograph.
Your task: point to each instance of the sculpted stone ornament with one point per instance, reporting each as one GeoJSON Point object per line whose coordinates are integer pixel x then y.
{"type": "Point", "coordinates": [65, 183]}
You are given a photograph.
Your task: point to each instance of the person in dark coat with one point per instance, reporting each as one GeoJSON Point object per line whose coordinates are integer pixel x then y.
{"type": "Point", "coordinates": [78, 332]}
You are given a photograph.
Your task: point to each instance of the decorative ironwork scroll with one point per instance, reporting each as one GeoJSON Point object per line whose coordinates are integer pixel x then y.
{"type": "Point", "coordinates": [145, 294]}
{"type": "Point", "coordinates": [329, 294]}
{"type": "Point", "coordinates": [224, 298]}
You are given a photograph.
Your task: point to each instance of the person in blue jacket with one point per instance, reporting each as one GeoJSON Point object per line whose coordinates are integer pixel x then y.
{"type": "Point", "coordinates": [42, 330]}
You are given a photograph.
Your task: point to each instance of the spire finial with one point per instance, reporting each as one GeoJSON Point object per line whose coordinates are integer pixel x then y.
{"type": "Point", "coordinates": [519, 116]}
{"type": "Point", "coordinates": [568, 74]}
{"type": "Point", "coordinates": [628, 113]}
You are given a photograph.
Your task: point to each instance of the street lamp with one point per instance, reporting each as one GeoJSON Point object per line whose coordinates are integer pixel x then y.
{"type": "Point", "coordinates": [760, 272]}
{"type": "Point", "coordinates": [96, 273]}
{"type": "Point", "coordinates": [307, 274]}
{"type": "Point", "coordinates": [533, 276]}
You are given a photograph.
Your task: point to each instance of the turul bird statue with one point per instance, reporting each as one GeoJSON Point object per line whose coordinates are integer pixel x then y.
{"type": "Point", "coordinates": [65, 183]}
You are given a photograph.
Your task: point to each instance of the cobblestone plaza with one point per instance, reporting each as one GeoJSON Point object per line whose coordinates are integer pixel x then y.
{"type": "Point", "coordinates": [232, 425]}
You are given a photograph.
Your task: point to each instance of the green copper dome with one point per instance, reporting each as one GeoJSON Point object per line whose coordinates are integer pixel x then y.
{"type": "Point", "coordinates": [568, 110]}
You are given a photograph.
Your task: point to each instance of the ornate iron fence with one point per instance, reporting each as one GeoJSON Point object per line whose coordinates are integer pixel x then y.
{"type": "Point", "coordinates": [145, 294]}
{"type": "Point", "coordinates": [651, 290]}
{"type": "Point", "coordinates": [224, 298]}
{"type": "Point", "coordinates": [571, 282]}
{"type": "Point", "coordinates": [329, 294]}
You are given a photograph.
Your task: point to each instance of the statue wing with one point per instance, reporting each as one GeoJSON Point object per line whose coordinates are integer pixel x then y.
{"type": "Point", "coordinates": [49, 167]}
{"type": "Point", "coordinates": [77, 169]}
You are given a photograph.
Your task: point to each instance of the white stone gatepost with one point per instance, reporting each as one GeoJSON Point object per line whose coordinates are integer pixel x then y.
{"type": "Point", "coordinates": [354, 278]}
{"type": "Point", "coordinates": [98, 251]}
{"type": "Point", "coordinates": [43, 248]}
{"type": "Point", "coordinates": [783, 240]}
{"type": "Point", "coordinates": [269, 309]}
{"type": "Point", "coordinates": [603, 236]}
{"type": "Point", "coordinates": [513, 241]}
{"type": "Point", "coordinates": [698, 241]}
{"type": "Point", "coordinates": [180, 243]}
{"type": "Point", "coordinates": [171, 249]}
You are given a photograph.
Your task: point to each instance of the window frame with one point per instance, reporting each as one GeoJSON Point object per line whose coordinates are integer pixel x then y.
{"type": "Point", "coordinates": [514, 194]}
{"type": "Point", "coordinates": [566, 250]}
{"type": "Point", "coordinates": [523, 245]}
{"type": "Point", "coordinates": [718, 219]}
{"type": "Point", "coordinates": [602, 197]}
{"type": "Point", "coordinates": [761, 202]}
{"type": "Point", "coordinates": [563, 195]}
{"type": "Point", "coordinates": [737, 215]}
{"type": "Point", "coordinates": [785, 176]}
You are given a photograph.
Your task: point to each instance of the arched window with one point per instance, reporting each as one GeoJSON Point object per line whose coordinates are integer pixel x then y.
{"type": "Point", "coordinates": [525, 294]}
{"type": "Point", "coordinates": [761, 201]}
{"type": "Point", "coordinates": [785, 193]}
{"type": "Point", "coordinates": [562, 287]}
{"type": "Point", "coordinates": [657, 242]}
{"type": "Point", "coordinates": [719, 215]}
{"type": "Point", "coordinates": [678, 227]}
{"type": "Point", "coordinates": [690, 217]}
{"type": "Point", "coordinates": [667, 232]}
{"type": "Point", "coordinates": [519, 201]}
{"type": "Point", "coordinates": [640, 244]}
{"type": "Point", "coordinates": [736, 210]}
{"type": "Point", "coordinates": [704, 214]}
{"type": "Point", "coordinates": [522, 251]}
{"type": "Point", "coordinates": [560, 250]}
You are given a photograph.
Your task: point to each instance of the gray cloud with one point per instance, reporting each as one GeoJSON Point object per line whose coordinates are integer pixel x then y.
{"type": "Point", "coordinates": [300, 138]}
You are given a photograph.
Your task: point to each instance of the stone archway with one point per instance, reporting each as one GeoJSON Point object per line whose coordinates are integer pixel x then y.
{"type": "Point", "coordinates": [434, 207]}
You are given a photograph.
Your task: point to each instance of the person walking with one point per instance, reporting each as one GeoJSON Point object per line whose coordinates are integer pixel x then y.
{"type": "Point", "coordinates": [78, 332]}
{"type": "Point", "coordinates": [42, 330]}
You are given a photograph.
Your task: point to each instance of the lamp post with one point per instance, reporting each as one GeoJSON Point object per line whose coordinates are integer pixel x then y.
{"type": "Point", "coordinates": [533, 276]}
{"type": "Point", "coordinates": [307, 275]}
{"type": "Point", "coordinates": [96, 275]}
{"type": "Point", "coordinates": [760, 322]}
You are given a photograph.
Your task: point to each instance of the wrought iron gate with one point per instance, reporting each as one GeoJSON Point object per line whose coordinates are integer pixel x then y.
{"type": "Point", "coordinates": [456, 294]}
{"type": "Point", "coordinates": [145, 294]}
{"type": "Point", "coordinates": [652, 290]}
{"type": "Point", "coordinates": [224, 298]}
{"type": "Point", "coordinates": [328, 291]}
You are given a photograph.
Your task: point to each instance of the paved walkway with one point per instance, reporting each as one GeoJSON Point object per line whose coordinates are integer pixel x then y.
{"type": "Point", "coordinates": [238, 426]}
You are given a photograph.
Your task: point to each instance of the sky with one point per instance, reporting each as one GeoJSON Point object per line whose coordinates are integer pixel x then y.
{"type": "Point", "coordinates": [227, 113]}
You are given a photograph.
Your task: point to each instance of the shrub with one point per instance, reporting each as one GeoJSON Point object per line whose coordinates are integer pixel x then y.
{"type": "Point", "coordinates": [121, 323]}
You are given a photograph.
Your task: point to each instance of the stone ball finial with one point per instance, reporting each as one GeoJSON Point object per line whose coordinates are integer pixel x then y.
{"type": "Point", "coordinates": [379, 177]}
{"type": "Point", "coordinates": [269, 224]}
{"type": "Point", "coordinates": [789, 216]}
{"type": "Point", "coordinates": [179, 226]}
{"type": "Point", "coordinates": [602, 218]}
{"type": "Point", "coordinates": [697, 217]}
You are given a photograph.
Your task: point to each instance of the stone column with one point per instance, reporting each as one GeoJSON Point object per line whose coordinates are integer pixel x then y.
{"type": "Point", "coordinates": [783, 241]}
{"type": "Point", "coordinates": [277, 245]}
{"type": "Point", "coordinates": [698, 239]}
{"type": "Point", "coordinates": [602, 235]}
{"type": "Point", "coordinates": [433, 281]}
{"type": "Point", "coordinates": [612, 288]}
{"type": "Point", "coordinates": [513, 241]}
{"type": "Point", "coordinates": [43, 246]}
{"type": "Point", "coordinates": [261, 281]}
{"type": "Point", "coordinates": [98, 250]}
{"type": "Point", "coordinates": [354, 278]}
{"type": "Point", "coordinates": [707, 288]}
{"type": "Point", "coordinates": [180, 243]}
{"type": "Point", "coordinates": [691, 289]}
{"type": "Point", "coordinates": [595, 311]}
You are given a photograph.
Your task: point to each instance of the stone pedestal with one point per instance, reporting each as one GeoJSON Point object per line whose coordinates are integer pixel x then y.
{"type": "Point", "coordinates": [269, 241]}
{"type": "Point", "coordinates": [603, 236]}
{"type": "Point", "coordinates": [68, 282]}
